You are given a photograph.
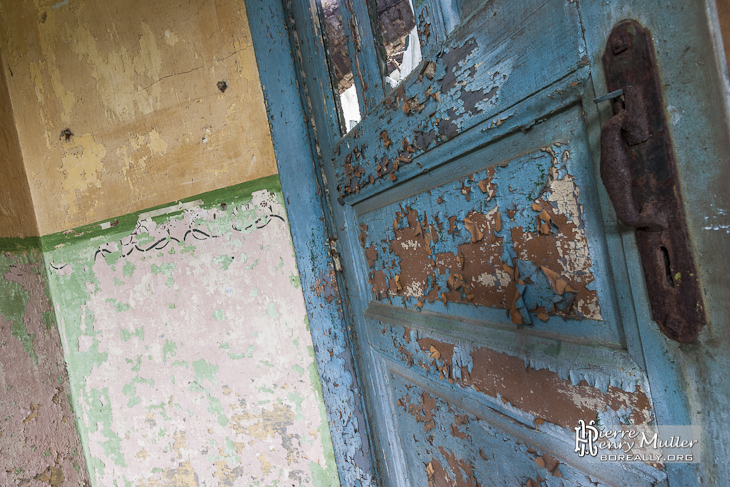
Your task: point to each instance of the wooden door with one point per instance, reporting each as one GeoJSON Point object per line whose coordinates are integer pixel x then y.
{"type": "Point", "coordinates": [495, 300]}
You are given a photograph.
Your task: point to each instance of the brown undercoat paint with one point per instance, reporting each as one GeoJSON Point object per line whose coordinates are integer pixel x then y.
{"type": "Point", "coordinates": [539, 392]}
{"type": "Point", "coordinates": [39, 444]}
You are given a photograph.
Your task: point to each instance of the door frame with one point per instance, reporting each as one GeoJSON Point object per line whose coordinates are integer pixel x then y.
{"type": "Point", "coordinates": [293, 111]}
{"type": "Point", "coordinates": [308, 215]}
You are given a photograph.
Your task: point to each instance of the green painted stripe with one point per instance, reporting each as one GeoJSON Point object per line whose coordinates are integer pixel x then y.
{"type": "Point", "coordinates": [19, 244]}
{"type": "Point", "coordinates": [126, 223]}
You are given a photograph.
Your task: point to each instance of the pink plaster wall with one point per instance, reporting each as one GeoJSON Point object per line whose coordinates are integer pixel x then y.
{"type": "Point", "coordinates": [189, 354]}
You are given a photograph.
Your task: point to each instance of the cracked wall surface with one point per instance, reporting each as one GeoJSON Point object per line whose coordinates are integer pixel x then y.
{"type": "Point", "coordinates": [188, 348]}
{"type": "Point", "coordinates": [136, 86]}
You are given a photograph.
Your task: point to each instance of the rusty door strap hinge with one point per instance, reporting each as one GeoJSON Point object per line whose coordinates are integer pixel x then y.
{"type": "Point", "coordinates": [639, 172]}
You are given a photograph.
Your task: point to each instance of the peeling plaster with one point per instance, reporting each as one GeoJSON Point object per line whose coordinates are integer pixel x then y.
{"type": "Point", "coordinates": [136, 82]}
{"type": "Point", "coordinates": [115, 72]}
{"type": "Point", "coordinates": [180, 373]}
{"type": "Point", "coordinates": [81, 168]}
{"type": "Point", "coordinates": [39, 444]}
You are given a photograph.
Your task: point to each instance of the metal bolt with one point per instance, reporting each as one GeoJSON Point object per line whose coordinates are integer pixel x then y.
{"type": "Point", "coordinates": [623, 43]}
{"type": "Point", "coordinates": [608, 96]}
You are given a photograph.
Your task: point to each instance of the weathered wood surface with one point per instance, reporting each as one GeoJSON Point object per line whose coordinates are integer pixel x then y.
{"type": "Point", "coordinates": [499, 97]}
{"type": "Point", "coordinates": [510, 235]}
{"type": "Point", "coordinates": [471, 207]}
{"type": "Point", "coordinates": [486, 67]}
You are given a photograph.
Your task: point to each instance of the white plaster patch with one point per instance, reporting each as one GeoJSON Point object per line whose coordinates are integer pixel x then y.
{"type": "Point", "coordinates": [157, 144]}
{"type": "Point", "coordinates": [675, 114]}
{"type": "Point", "coordinates": [170, 38]}
{"type": "Point", "coordinates": [85, 343]}
{"type": "Point", "coordinates": [565, 194]}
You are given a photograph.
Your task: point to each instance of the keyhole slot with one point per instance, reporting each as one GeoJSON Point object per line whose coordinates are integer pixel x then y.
{"type": "Point", "coordinates": [667, 266]}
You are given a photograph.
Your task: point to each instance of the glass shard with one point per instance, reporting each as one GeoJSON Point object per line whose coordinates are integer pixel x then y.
{"type": "Point", "coordinates": [340, 64]}
{"type": "Point", "coordinates": [399, 35]}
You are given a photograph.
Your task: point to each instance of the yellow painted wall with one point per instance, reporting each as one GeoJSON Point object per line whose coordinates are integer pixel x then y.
{"type": "Point", "coordinates": [135, 81]}
{"type": "Point", "coordinates": [17, 218]}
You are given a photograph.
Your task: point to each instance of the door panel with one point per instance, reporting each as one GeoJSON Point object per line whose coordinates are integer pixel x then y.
{"type": "Point", "coordinates": [478, 265]}
{"type": "Point", "coordinates": [505, 53]}
{"type": "Point", "coordinates": [487, 277]}
{"type": "Point", "coordinates": [454, 440]}
{"type": "Point", "coordinates": [511, 233]}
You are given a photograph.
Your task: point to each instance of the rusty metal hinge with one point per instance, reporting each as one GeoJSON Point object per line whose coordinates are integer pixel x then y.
{"type": "Point", "coordinates": [640, 176]}
{"type": "Point", "coordinates": [335, 254]}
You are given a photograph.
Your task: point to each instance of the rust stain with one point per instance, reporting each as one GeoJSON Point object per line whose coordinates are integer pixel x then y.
{"type": "Point", "coordinates": [325, 286]}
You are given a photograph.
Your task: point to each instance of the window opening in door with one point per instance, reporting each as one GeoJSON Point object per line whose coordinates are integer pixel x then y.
{"type": "Point", "coordinates": [340, 64]}
{"type": "Point", "coordinates": [399, 37]}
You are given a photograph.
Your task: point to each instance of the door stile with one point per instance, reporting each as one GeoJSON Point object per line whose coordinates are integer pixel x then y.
{"type": "Point", "coordinates": [615, 238]}
{"type": "Point", "coordinates": [320, 101]}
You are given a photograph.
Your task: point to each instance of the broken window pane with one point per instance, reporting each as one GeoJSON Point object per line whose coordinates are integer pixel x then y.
{"type": "Point", "coordinates": [340, 64]}
{"type": "Point", "coordinates": [398, 32]}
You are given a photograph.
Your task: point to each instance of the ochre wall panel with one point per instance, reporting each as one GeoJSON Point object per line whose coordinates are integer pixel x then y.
{"type": "Point", "coordinates": [136, 83]}
{"type": "Point", "coordinates": [17, 218]}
